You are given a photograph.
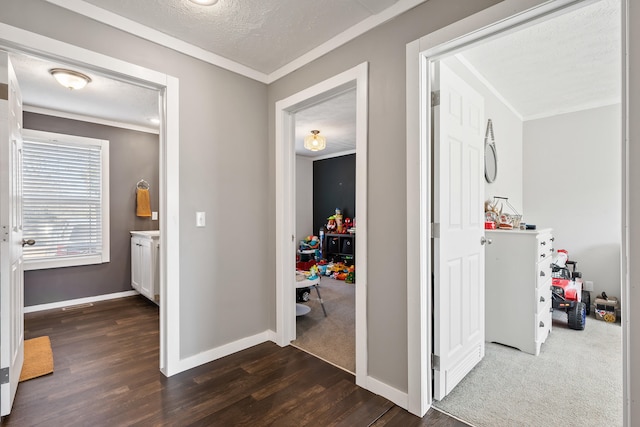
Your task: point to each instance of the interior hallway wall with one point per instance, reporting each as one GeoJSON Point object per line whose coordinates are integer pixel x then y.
{"type": "Point", "coordinates": [572, 183]}
{"type": "Point", "coordinates": [384, 48]}
{"type": "Point", "coordinates": [133, 155]}
{"type": "Point", "coordinates": [304, 197]}
{"type": "Point", "coordinates": [223, 172]}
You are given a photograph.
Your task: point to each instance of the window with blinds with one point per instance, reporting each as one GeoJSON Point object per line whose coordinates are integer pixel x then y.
{"type": "Point", "coordinates": [65, 200]}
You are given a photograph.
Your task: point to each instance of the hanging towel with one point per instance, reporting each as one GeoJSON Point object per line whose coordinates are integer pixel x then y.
{"type": "Point", "coordinates": [143, 202]}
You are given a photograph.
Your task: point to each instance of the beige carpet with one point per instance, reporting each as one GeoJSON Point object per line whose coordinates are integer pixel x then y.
{"type": "Point", "coordinates": [38, 358]}
{"type": "Point", "coordinates": [575, 381]}
{"type": "Point", "coordinates": [331, 338]}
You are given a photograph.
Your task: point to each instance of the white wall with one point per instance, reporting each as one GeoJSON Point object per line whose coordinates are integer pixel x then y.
{"type": "Point", "coordinates": [507, 129]}
{"type": "Point", "coordinates": [572, 183]}
{"type": "Point", "coordinates": [304, 197]}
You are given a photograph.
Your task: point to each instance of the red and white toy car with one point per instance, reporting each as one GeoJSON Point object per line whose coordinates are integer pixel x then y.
{"type": "Point", "coordinates": [567, 291]}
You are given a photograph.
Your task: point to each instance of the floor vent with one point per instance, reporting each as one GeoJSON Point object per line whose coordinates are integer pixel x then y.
{"type": "Point", "coordinates": [77, 307]}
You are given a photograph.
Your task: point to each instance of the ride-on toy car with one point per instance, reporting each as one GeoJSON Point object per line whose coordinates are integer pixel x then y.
{"type": "Point", "coordinates": [567, 291]}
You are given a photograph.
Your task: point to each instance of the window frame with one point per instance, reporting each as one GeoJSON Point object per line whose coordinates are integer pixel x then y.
{"type": "Point", "coordinates": [74, 261]}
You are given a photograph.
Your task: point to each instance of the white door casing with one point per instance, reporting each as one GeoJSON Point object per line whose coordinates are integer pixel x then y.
{"type": "Point", "coordinates": [11, 264]}
{"type": "Point", "coordinates": [458, 229]}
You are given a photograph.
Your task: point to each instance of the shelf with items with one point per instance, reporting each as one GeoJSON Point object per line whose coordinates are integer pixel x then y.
{"type": "Point", "coordinates": [339, 246]}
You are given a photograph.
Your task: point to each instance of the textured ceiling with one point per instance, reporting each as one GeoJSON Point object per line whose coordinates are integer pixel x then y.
{"type": "Point", "coordinates": [261, 34]}
{"type": "Point", "coordinates": [336, 121]}
{"type": "Point", "coordinates": [564, 64]}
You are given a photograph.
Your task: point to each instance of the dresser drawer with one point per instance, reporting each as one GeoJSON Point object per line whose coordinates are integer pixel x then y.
{"type": "Point", "coordinates": [545, 247]}
{"type": "Point", "coordinates": [543, 298]}
{"type": "Point", "coordinates": [543, 322]}
{"type": "Point", "coordinates": [543, 273]}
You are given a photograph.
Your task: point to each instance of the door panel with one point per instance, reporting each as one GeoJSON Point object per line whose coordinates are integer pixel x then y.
{"type": "Point", "coordinates": [459, 226]}
{"type": "Point", "coordinates": [11, 261]}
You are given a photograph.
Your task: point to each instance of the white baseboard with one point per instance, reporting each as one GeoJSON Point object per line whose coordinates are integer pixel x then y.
{"type": "Point", "coordinates": [272, 336]}
{"type": "Point", "coordinates": [398, 397]}
{"type": "Point", "coordinates": [67, 303]}
{"type": "Point", "coordinates": [222, 351]}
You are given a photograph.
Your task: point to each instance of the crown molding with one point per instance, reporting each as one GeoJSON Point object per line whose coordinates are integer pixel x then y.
{"type": "Point", "coordinates": [155, 36]}
{"type": "Point", "coordinates": [158, 37]}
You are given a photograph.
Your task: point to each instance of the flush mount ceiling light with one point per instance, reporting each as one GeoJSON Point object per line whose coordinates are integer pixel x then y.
{"type": "Point", "coordinates": [204, 2]}
{"type": "Point", "coordinates": [315, 142]}
{"type": "Point", "coordinates": [69, 78]}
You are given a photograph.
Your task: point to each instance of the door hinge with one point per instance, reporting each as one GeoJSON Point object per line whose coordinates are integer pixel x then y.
{"type": "Point", "coordinates": [435, 230]}
{"type": "Point", "coordinates": [4, 375]}
{"type": "Point", "coordinates": [435, 362]}
{"type": "Point", "coordinates": [435, 98]}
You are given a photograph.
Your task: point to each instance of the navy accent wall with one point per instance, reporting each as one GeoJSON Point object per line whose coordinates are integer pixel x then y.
{"type": "Point", "coordinates": [334, 186]}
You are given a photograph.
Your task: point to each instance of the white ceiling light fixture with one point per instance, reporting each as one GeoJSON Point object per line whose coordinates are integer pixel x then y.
{"type": "Point", "coordinates": [70, 79]}
{"type": "Point", "coordinates": [315, 142]}
{"type": "Point", "coordinates": [204, 2]}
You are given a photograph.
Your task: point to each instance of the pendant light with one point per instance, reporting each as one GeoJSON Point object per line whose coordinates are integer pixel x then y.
{"type": "Point", "coordinates": [315, 142]}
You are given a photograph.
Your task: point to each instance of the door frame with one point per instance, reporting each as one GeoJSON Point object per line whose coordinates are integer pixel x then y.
{"type": "Point", "coordinates": [285, 109]}
{"type": "Point", "coordinates": [18, 40]}
{"type": "Point", "coordinates": [491, 22]}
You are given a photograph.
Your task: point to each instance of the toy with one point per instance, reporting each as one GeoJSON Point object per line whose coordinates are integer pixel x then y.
{"type": "Point", "coordinates": [567, 291]}
{"type": "Point", "coordinates": [331, 224]}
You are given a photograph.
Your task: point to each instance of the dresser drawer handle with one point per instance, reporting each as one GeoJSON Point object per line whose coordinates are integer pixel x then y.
{"type": "Point", "coordinates": [543, 255]}
{"type": "Point", "coordinates": [553, 239]}
{"type": "Point", "coordinates": [543, 243]}
{"type": "Point", "coordinates": [542, 299]}
{"type": "Point", "coordinates": [542, 274]}
{"type": "Point", "coordinates": [542, 324]}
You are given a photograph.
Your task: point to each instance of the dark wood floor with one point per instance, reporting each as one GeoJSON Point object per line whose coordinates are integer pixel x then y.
{"type": "Point", "coordinates": [106, 374]}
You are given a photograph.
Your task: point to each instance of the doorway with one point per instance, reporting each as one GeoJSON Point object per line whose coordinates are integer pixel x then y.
{"type": "Point", "coordinates": [20, 41]}
{"type": "Point", "coordinates": [426, 50]}
{"type": "Point", "coordinates": [355, 78]}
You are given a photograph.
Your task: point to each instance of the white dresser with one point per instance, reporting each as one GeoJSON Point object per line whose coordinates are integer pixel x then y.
{"type": "Point", "coordinates": [145, 263]}
{"type": "Point", "coordinates": [518, 288]}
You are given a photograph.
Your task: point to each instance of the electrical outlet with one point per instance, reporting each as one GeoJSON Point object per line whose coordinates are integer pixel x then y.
{"type": "Point", "coordinates": [588, 286]}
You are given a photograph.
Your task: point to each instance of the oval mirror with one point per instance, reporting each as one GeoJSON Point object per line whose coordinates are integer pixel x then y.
{"type": "Point", "coordinates": [490, 162]}
{"type": "Point", "coordinates": [490, 154]}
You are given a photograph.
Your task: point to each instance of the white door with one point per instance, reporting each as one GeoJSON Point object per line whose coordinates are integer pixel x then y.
{"type": "Point", "coordinates": [458, 230]}
{"type": "Point", "coordinates": [11, 265]}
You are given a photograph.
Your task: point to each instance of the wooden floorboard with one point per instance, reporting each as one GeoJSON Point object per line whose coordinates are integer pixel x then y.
{"type": "Point", "coordinates": [106, 360]}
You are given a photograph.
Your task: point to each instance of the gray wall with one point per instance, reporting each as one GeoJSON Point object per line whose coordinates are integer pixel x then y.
{"type": "Point", "coordinates": [304, 198]}
{"type": "Point", "coordinates": [132, 156]}
{"type": "Point", "coordinates": [571, 166]}
{"type": "Point", "coordinates": [384, 49]}
{"type": "Point", "coordinates": [225, 290]}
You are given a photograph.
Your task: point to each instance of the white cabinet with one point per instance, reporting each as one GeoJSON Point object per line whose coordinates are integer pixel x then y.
{"type": "Point", "coordinates": [518, 288]}
{"type": "Point", "coordinates": [145, 269]}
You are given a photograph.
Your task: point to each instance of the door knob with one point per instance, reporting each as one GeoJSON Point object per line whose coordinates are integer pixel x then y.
{"type": "Point", "coordinates": [29, 242]}
{"type": "Point", "coordinates": [484, 240]}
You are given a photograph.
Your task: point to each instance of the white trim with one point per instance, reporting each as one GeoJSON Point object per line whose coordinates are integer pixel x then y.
{"type": "Point", "coordinates": [398, 397]}
{"type": "Point", "coordinates": [329, 156]}
{"type": "Point", "coordinates": [487, 23]}
{"type": "Point", "coordinates": [285, 205]}
{"type": "Point", "coordinates": [355, 31]}
{"type": "Point", "coordinates": [487, 84]}
{"type": "Point", "coordinates": [625, 223]}
{"type": "Point", "coordinates": [127, 25]}
{"type": "Point", "coordinates": [89, 119]}
{"type": "Point", "coordinates": [222, 351]}
{"type": "Point", "coordinates": [158, 37]}
{"type": "Point", "coordinates": [25, 41]}
{"type": "Point", "coordinates": [78, 301]}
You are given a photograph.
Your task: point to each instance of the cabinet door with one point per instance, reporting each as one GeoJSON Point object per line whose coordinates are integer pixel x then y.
{"type": "Point", "coordinates": [136, 264]}
{"type": "Point", "coordinates": [146, 285]}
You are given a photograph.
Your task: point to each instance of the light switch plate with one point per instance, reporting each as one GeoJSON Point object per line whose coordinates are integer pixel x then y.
{"type": "Point", "coordinates": [154, 216]}
{"type": "Point", "coordinates": [200, 219]}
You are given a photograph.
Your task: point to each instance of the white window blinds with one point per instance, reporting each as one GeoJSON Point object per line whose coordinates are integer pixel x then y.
{"type": "Point", "coordinates": [64, 201]}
